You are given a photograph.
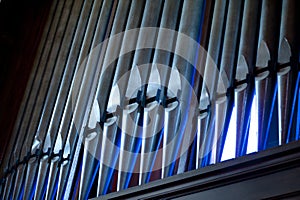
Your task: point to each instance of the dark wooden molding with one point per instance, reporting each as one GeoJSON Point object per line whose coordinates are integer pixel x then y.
{"type": "Point", "coordinates": [270, 174]}
{"type": "Point", "coordinates": [22, 24]}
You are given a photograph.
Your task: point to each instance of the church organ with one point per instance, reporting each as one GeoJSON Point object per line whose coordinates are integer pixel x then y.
{"type": "Point", "coordinates": [126, 92]}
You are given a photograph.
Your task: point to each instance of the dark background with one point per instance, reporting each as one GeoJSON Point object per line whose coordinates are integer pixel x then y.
{"type": "Point", "coordinates": [21, 25]}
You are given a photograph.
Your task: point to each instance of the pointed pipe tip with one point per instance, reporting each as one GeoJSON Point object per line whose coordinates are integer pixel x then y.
{"type": "Point", "coordinates": [263, 55]}
{"type": "Point", "coordinates": [284, 51]}
{"type": "Point", "coordinates": [242, 69]}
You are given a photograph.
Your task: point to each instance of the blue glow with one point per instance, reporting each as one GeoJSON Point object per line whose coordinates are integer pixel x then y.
{"type": "Point", "coordinates": [230, 141]}
{"type": "Point", "coordinates": [118, 138]}
{"type": "Point", "coordinates": [155, 154]}
{"type": "Point", "coordinates": [33, 188]}
{"type": "Point", "coordinates": [108, 180]}
{"type": "Point", "coordinates": [193, 152]}
{"type": "Point", "coordinates": [298, 117]}
{"type": "Point", "coordinates": [138, 143]}
{"type": "Point", "coordinates": [22, 192]}
{"type": "Point", "coordinates": [45, 184]}
{"type": "Point", "coordinates": [296, 96]}
{"type": "Point", "coordinates": [128, 177]}
{"type": "Point", "coordinates": [55, 186]}
{"type": "Point", "coordinates": [172, 166]}
{"type": "Point", "coordinates": [293, 112]}
{"type": "Point", "coordinates": [114, 161]}
{"type": "Point", "coordinates": [77, 181]}
{"type": "Point", "coordinates": [270, 118]}
{"type": "Point", "coordinates": [93, 178]}
{"type": "Point", "coordinates": [252, 144]}
{"type": "Point", "coordinates": [206, 160]}
{"type": "Point", "coordinates": [22, 189]}
{"type": "Point", "coordinates": [207, 152]}
{"type": "Point", "coordinates": [253, 130]}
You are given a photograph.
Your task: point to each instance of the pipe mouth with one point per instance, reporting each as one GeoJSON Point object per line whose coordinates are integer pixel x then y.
{"type": "Point", "coordinates": [172, 106]}
{"type": "Point", "coordinates": [90, 136]}
{"type": "Point", "coordinates": [202, 115]}
{"type": "Point", "coordinates": [65, 162]}
{"type": "Point", "coordinates": [151, 105]}
{"type": "Point", "coordinates": [110, 121]}
{"type": "Point", "coordinates": [131, 107]}
{"type": "Point", "coordinates": [284, 71]}
{"type": "Point", "coordinates": [55, 159]}
{"type": "Point", "coordinates": [241, 87]}
{"type": "Point", "coordinates": [32, 160]}
{"type": "Point", "coordinates": [45, 157]}
{"type": "Point", "coordinates": [262, 76]}
{"type": "Point", "coordinates": [221, 99]}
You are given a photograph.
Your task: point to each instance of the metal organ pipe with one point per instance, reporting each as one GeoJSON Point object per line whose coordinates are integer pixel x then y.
{"type": "Point", "coordinates": [124, 92]}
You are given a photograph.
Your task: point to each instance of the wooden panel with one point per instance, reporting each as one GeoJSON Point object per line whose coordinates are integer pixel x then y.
{"type": "Point", "coordinates": [21, 25]}
{"type": "Point", "coordinates": [270, 174]}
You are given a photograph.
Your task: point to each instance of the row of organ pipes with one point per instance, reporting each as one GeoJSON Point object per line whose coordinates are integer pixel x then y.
{"type": "Point", "coordinates": [124, 92]}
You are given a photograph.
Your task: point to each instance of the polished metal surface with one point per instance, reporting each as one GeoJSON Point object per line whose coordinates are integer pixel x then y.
{"type": "Point", "coordinates": [125, 92]}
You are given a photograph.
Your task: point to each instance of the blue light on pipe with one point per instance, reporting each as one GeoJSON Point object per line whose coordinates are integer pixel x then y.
{"type": "Point", "coordinates": [252, 145]}
{"type": "Point", "coordinates": [137, 146]}
{"type": "Point", "coordinates": [34, 188]}
{"type": "Point", "coordinates": [108, 180]}
{"type": "Point", "coordinates": [155, 154]}
{"type": "Point", "coordinates": [267, 143]}
{"type": "Point", "coordinates": [114, 161]}
{"type": "Point", "coordinates": [230, 142]}
{"type": "Point", "coordinates": [45, 186]}
{"type": "Point", "coordinates": [21, 195]}
{"type": "Point", "coordinates": [192, 161]}
{"type": "Point", "coordinates": [293, 113]}
{"type": "Point", "coordinates": [77, 182]}
{"type": "Point", "coordinates": [95, 172]}
{"type": "Point", "coordinates": [298, 117]}
{"type": "Point", "coordinates": [55, 188]}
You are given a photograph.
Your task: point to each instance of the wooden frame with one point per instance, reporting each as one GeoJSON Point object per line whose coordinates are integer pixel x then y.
{"type": "Point", "coordinates": [270, 174]}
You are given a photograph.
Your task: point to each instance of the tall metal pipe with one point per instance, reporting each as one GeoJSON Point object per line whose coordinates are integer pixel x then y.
{"type": "Point", "coordinates": [244, 90]}
{"type": "Point", "coordinates": [83, 30]}
{"type": "Point", "coordinates": [26, 133]}
{"type": "Point", "coordinates": [202, 116]}
{"type": "Point", "coordinates": [225, 100]}
{"type": "Point", "coordinates": [113, 48]}
{"type": "Point", "coordinates": [41, 48]}
{"type": "Point", "coordinates": [162, 64]}
{"type": "Point", "coordinates": [152, 127]}
{"type": "Point", "coordinates": [265, 80]}
{"type": "Point", "coordinates": [76, 120]}
{"type": "Point", "coordinates": [170, 129]}
{"type": "Point", "coordinates": [86, 64]}
{"type": "Point", "coordinates": [118, 97]}
{"type": "Point", "coordinates": [15, 144]}
{"type": "Point", "coordinates": [210, 77]}
{"type": "Point", "coordinates": [53, 109]}
{"type": "Point", "coordinates": [191, 11]}
{"type": "Point", "coordinates": [56, 60]}
{"type": "Point", "coordinates": [150, 18]}
{"type": "Point", "coordinates": [287, 75]}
